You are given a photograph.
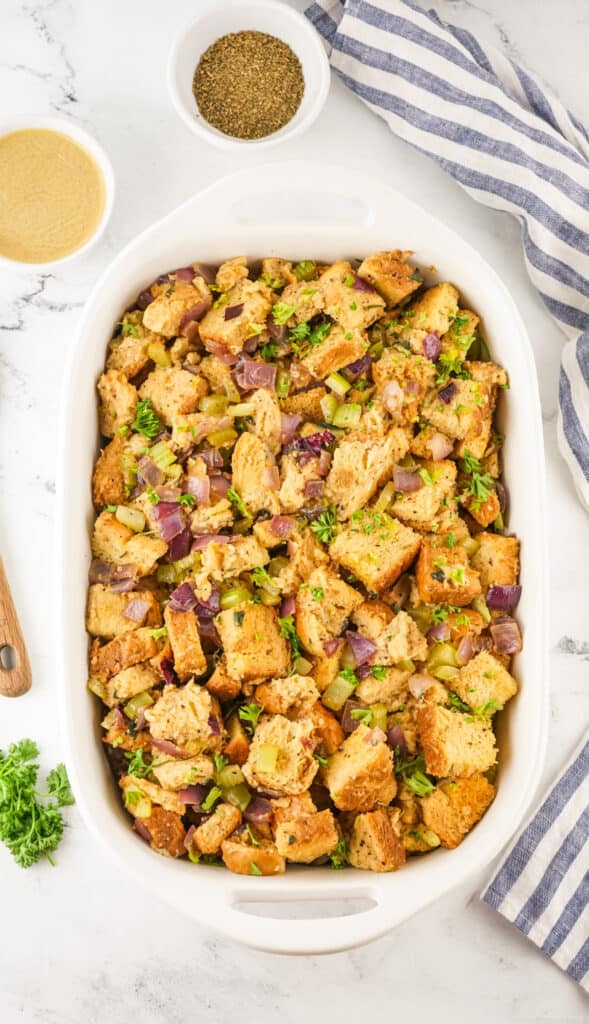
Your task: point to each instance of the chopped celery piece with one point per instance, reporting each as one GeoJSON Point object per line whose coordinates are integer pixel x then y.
{"type": "Point", "coordinates": [379, 717]}
{"type": "Point", "coordinates": [231, 390]}
{"type": "Point", "coordinates": [131, 517]}
{"type": "Point", "coordinates": [129, 471]}
{"type": "Point", "coordinates": [375, 351]}
{"type": "Point", "coordinates": [267, 757]}
{"type": "Point", "coordinates": [230, 775]}
{"type": "Point", "coordinates": [234, 596]}
{"type": "Point", "coordinates": [302, 667]}
{"type": "Point", "coordinates": [109, 720]}
{"type": "Point", "coordinates": [471, 546]}
{"type": "Point", "coordinates": [328, 407]}
{"type": "Point", "coordinates": [166, 574]}
{"type": "Point", "coordinates": [162, 455]}
{"type": "Point", "coordinates": [385, 497]}
{"type": "Point", "coordinates": [193, 857]}
{"type": "Point", "coordinates": [158, 352]}
{"type": "Point", "coordinates": [337, 383]}
{"type": "Point", "coordinates": [499, 522]}
{"type": "Point", "coordinates": [305, 270]}
{"type": "Point", "coordinates": [429, 838]}
{"type": "Point", "coordinates": [213, 405]}
{"type": "Point", "coordinates": [96, 687]}
{"type": "Point", "coordinates": [347, 659]}
{"type": "Point", "coordinates": [137, 803]}
{"type": "Point", "coordinates": [445, 672]}
{"type": "Point", "coordinates": [480, 605]}
{"type": "Point", "coordinates": [270, 598]}
{"type": "Point", "coordinates": [242, 525]}
{"type": "Point", "coordinates": [139, 701]}
{"type": "Point", "coordinates": [242, 409]}
{"type": "Point", "coordinates": [239, 796]}
{"type": "Point", "coordinates": [442, 654]}
{"type": "Point", "coordinates": [407, 665]}
{"type": "Point", "coordinates": [183, 565]}
{"type": "Point", "coordinates": [276, 565]}
{"type": "Point", "coordinates": [421, 616]}
{"type": "Point", "coordinates": [174, 471]}
{"type": "Point", "coordinates": [347, 415]}
{"type": "Point", "coordinates": [337, 693]}
{"type": "Point", "coordinates": [282, 383]}
{"type": "Point", "coordinates": [222, 438]}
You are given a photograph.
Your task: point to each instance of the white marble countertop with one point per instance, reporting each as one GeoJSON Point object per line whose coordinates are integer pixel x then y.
{"type": "Point", "coordinates": [80, 942]}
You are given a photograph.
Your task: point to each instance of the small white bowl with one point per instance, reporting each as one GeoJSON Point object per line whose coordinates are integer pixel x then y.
{"type": "Point", "coordinates": [88, 143]}
{"type": "Point", "coordinates": [217, 19]}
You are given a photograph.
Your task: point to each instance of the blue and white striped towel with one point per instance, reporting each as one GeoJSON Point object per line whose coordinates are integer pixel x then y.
{"type": "Point", "coordinates": [504, 137]}
{"type": "Point", "coordinates": [542, 885]}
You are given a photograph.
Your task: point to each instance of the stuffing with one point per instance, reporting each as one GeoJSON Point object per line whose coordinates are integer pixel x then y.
{"type": "Point", "coordinates": [221, 684]}
{"type": "Point", "coordinates": [437, 485]}
{"type": "Point", "coordinates": [287, 808]}
{"type": "Point", "coordinates": [137, 788]}
{"type": "Point", "coordinates": [305, 297]}
{"type": "Point", "coordinates": [128, 351]}
{"type": "Point", "coordinates": [118, 400]}
{"type": "Point", "coordinates": [108, 481]}
{"type": "Point", "coordinates": [402, 380]}
{"type": "Point", "coordinates": [371, 618]}
{"type": "Point", "coordinates": [237, 747]}
{"type": "Point", "coordinates": [391, 275]}
{"type": "Point", "coordinates": [327, 728]}
{"type": "Point", "coordinates": [305, 554]}
{"type": "Point", "coordinates": [466, 622]}
{"type": "Point", "coordinates": [483, 512]}
{"type": "Point", "coordinates": [253, 645]}
{"type": "Point", "coordinates": [294, 476]}
{"type": "Point", "coordinates": [294, 766]}
{"type": "Point", "coordinates": [307, 404]}
{"type": "Point", "coordinates": [432, 313]}
{"type": "Point", "coordinates": [277, 272]}
{"type": "Point", "coordinates": [165, 315]}
{"type": "Point", "coordinates": [128, 682]}
{"type": "Point", "coordinates": [339, 348]}
{"type": "Point", "coordinates": [105, 612]}
{"type": "Point", "coordinates": [425, 443]}
{"type": "Point", "coordinates": [496, 560]}
{"type": "Point", "coordinates": [242, 857]}
{"type": "Point", "coordinates": [460, 335]}
{"type": "Point", "coordinates": [353, 308]}
{"type": "Point", "coordinates": [323, 619]}
{"type": "Point", "coordinates": [255, 300]}
{"type": "Point", "coordinates": [264, 532]}
{"type": "Point", "coordinates": [166, 832]}
{"type": "Point", "coordinates": [173, 392]}
{"type": "Point", "coordinates": [144, 552]}
{"type": "Point", "coordinates": [172, 773]}
{"type": "Point", "coordinates": [110, 539]}
{"type": "Point", "coordinates": [400, 641]}
{"type": "Point", "coordinates": [358, 469]}
{"type": "Point", "coordinates": [212, 518]}
{"type": "Point", "coordinates": [231, 272]}
{"type": "Point", "coordinates": [267, 418]}
{"type": "Point", "coordinates": [218, 375]}
{"type": "Point", "coordinates": [188, 717]}
{"type": "Point", "coordinates": [463, 415]}
{"type": "Point", "coordinates": [453, 743]}
{"type": "Point", "coordinates": [294, 695]}
{"type": "Point", "coordinates": [325, 669]}
{"type": "Point", "coordinates": [184, 638]}
{"type": "Point", "coordinates": [305, 838]}
{"type": "Point", "coordinates": [225, 560]}
{"type": "Point", "coordinates": [444, 576]}
{"type": "Point", "coordinates": [253, 469]}
{"type": "Point", "coordinates": [375, 548]}
{"type": "Point", "coordinates": [488, 373]}
{"type": "Point", "coordinates": [455, 806]}
{"type": "Point", "coordinates": [209, 836]}
{"type": "Point", "coordinates": [124, 651]}
{"type": "Point", "coordinates": [484, 683]}
{"type": "Point", "coordinates": [360, 774]}
{"type": "Point", "coordinates": [374, 843]}
{"type": "Point", "coordinates": [388, 688]}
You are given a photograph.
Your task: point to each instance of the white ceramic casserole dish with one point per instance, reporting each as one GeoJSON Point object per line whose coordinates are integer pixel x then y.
{"type": "Point", "coordinates": [284, 209]}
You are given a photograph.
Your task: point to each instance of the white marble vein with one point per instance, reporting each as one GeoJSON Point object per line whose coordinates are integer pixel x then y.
{"type": "Point", "coordinates": [80, 943]}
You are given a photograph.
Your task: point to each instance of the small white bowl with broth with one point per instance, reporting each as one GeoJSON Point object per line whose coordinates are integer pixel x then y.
{"type": "Point", "coordinates": [217, 20]}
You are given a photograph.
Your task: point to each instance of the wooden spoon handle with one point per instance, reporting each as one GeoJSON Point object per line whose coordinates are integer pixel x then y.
{"type": "Point", "coordinates": [16, 680]}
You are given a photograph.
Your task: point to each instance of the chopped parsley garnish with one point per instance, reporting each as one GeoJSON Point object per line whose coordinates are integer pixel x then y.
{"type": "Point", "coordinates": [317, 593]}
{"type": "Point", "coordinates": [254, 869]}
{"type": "Point", "coordinates": [129, 328]}
{"type": "Point", "coordinates": [304, 270]}
{"type": "Point", "coordinates": [187, 499]}
{"type": "Point", "coordinates": [269, 351]}
{"type": "Point", "coordinates": [252, 838]}
{"type": "Point", "coordinates": [220, 762]}
{"type": "Point", "coordinates": [340, 856]}
{"type": "Point", "coordinates": [261, 577]}
{"type": "Point", "coordinates": [318, 334]}
{"type": "Point", "coordinates": [450, 365]}
{"type": "Point", "coordinates": [450, 540]}
{"type": "Point", "coordinates": [273, 282]}
{"type": "Point", "coordinates": [300, 332]}
{"type": "Point", "coordinates": [211, 798]}
{"type": "Point", "coordinates": [379, 672]}
{"type": "Point", "coordinates": [238, 618]}
{"type": "Point", "coordinates": [349, 675]}
{"type": "Point", "coordinates": [281, 312]}
{"type": "Point", "coordinates": [147, 421]}
{"type": "Point", "coordinates": [486, 710]}
{"type": "Point", "coordinates": [325, 524]}
{"type": "Point", "coordinates": [30, 828]}
{"type": "Point", "coordinates": [457, 703]}
{"type": "Point", "coordinates": [151, 494]}
{"type": "Point", "coordinates": [287, 629]}
{"type": "Point", "coordinates": [321, 759]}
{"type": "Point", "coordinates": [480, 485]}
{"type": "Point", "coordinates": [363, 715]}
{"type": "Point", "coordinates": [137, 766]}
{"type": "Point", "coordinates": [349, 280]}
{"type": "Point", "coordinates": [249, 714]}
{"type": "Point", "coordinates": [238, 502]}
{"type": "Point", "coordinates": [160, 633]}
{"type": "Point", "coordinates": [413, 773]}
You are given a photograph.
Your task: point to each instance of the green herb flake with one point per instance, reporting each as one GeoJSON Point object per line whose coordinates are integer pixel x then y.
{"type": "Point", "coordinates": [287, 629]}
{"type": "Point", "coordinates": [324, 526]}
{"type": "Point", "coordinates": [137, 766]}
{"type": "Point", "coordinates": [254, 869]}
{"type": "Point", "coordinates": [30, 827]}
{"type": "Point", "coordinates": [249, 714]}
{"type": "Point", "coordinates": [238, 502]}
{"type": "Point", "coordinates": [281, 313]}
{"type": "Point", "coordinates": [187, 499]}
{"type": "Point", "coordinates": [340, 857]}
{"type": "Point", "coordinates": [147, 421]}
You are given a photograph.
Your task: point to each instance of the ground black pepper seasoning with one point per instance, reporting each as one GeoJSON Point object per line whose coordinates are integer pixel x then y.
{"type": "Point", "coordinates": [248, 84]}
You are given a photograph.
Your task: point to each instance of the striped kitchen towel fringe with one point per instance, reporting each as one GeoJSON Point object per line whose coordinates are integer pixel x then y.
{"type": "Point", "coordinates": [542, 885]}
{"type": "Point", "coordinates": [504, 137]}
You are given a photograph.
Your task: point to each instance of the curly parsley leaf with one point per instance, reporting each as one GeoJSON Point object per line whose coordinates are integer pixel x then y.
{"type": "Point", "coordinates": [147, 421]}
{"type": "Point", "coordinates": [340, 857]}
{"type": "Point", "coordinates": [30, 827]}
{"type": "Point", "coordinates": [288, 631]}
{"type": "Point", "coordinates": [325, 524]}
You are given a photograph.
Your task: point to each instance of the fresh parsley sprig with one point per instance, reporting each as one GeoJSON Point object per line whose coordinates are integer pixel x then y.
{"type": "Point", "coordinates": [30, 825]}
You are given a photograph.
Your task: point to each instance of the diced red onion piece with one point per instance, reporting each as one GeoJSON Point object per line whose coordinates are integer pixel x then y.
{"type": "Point", "coordinates": [374, 737]}
{"type": "Point", "coordinates": [149, 472]}
{"type": "Point", "coordinates": [231, 312]}
{"type": "Point", "coordinates": [258, 811]}
{"type": "Point", "coordinates": [115, 575]}
{"type": "Point", "coordinates": [432, 346]}
{"type": "Point", "coordinates": [123, 586]}
{"type": "Point", "coordinates": [189, 838]}
{"type": "Point", "coordinates": [193, 795]}
{"type": "Point", "coordinates": [140, 721]}
{"type": "Point", "coordinates": [360, 285]}
{"type": "Point", "coordinates": [144, 299]}
{"type": "Point", "coordinates": [287, 607]}
{"type": "Point", "coordinates": [167, 747]}
{"type": "Point", "coordinates": [196, 312]}
{"type": "Point", "coordinates": [289, 424]}
{"type": "Point", "coordinates": [314, 443]}
{"type": "Point", "coordinates": [507, 638]}
{"type": "Point", "coordinates": [357, 368]}
{"type": "Point", "coordinates": [211, 606]}
{"type": "Point", "coordinates": [208, 632]}
{"type": "Point", "coordinates": [419, 684]}
{"type": "Point", "coordinates": [271, 478]}
{"type": "Point", "coordinates": [250, 374]}
{"type": "Point", "coordinates": [314, 488]}
{"type": "Point", "coordinates": [218, 349]}
{"type": "Point", "coordinates": [211, 457]}
{"type": "Point", "coordinates": [276, 331]}
{"type": "Point", "coordinates": [392, 397]}
{"type": "Point", "coordinates": [219, 485]}
{"type": "Point", "coordinates": [406, 481]}
{"type": "Point", "coordinates": [190, 332]}
{"type": "Point", "coordinates": [464, 650]}
{"type": "Point", "coordinates": [142, 830]}
{"type": "Point", "coordinates": [169, 518]}
{"type": "Point", "coordinates": [214, 725]}
{"type": "Point", "coordinates": [183, 598]}
{"type": "Point", "coordinates": [206, 271]}
{"type": "Point", "coordinates": [325, 460]}
{"type": "Point", "coordinates": [167, 493]}
{"type": "Point", "coordinates": [179, 546]}
{"type": "Point", "coordinates": [332, 646]}
{"type": "Point", "coordinates": [440, 446]}
{"type": "Point", "coordinates": [136, 610]}
{"type": "Point", "coordinates": [184, 274]}
{"type": "Point", "coordinates": [503, 495]}
{"type": "Point", "coordinates": [167, 671]}
{"type": "Point", "coordinates": [200, 488]}
{"type": "Point", "coordinates": [363, 671]}
{"type": "Point", "coordinates": [447, 394]}
{"type": "Point", "coordinates": [281, 526]}
{"type": "Point", "coordinates": [209, 538]}
{"type": "Point", "coordinates": [503, 598]}
{"type": "Point", "coordinates": [396, 738]}
{"type": "Point", "coordinates": [348, 723]}
{"type": "Point", "coordinates": [362, 647]}
{"type": "Point", "coordinates": [483, 642]}
{"type": "Point", "coordinates": [440, 632]}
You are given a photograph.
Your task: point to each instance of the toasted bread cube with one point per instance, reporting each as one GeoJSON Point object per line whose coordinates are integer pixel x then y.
{"type": "Point", "coordinates": [220, 561]}
{"type": "Point", "coordinates": [110, 539]}
{"type": "Point", "coordinates": [162, 797]}
{"type": "Point", "coordinates": [465, 623]}
{"type": "Point", "coordinates": [222, 685]}
{"type": "Point", "coordinates": [173, 392]}
{"type": "Point", "coordinates": [253, 645]}
{"type": "Point", "coordinates": [128, 683]}
{"type": "Point", "coordinates": [431, 314]}
{"type": "Point", "coordinates": [165, 314]}
{"type": "Point", "coordinates": [231, 272]}
{"type": "Point", "coordinates": [295, 766]}
{"type": "Point", "coordinates": [325, 670]}
{"type": "Point", "coordinates": [455, 806]}
{"type": "Point", "coordinates": [108, 482]}
{"type": "Point", "coordinates": [327, 728]}
{"type": "Point", "coordinates": [144, 553]}
{"type": "Point", "coordinates": [371, 618]}
{"type": "Point", "coordinates": [267, 418]}
{"type": "Point", "coordinates": [124, 651]}
{"type": "Point", "coordinates": [252, 462]}
{"type": "Point", "coordinates": [452, 743]}
{"type": "Point", "coordinates": [240, 856]}
{"type": "Point", "coordinates": [166, 832]}
{"type": "Point", "coordinates": [339, 348]}
{"type": "Point", "coordinates": [118, 400]}
{"type": "Point", "coordinates": [188, 717]}
{"type": "Point", "coordinates": [360, 774]}
{"type": "Point", "coordinates": [278, 271]}
{"type": "Point", "coordinates": [444, 576]}
{"type": "Point", "coordinates": [172, 773]}
{"type": "Point", "coordinates": [422, 443]}
{"type": "Point", "coordinates": [483, 512]}
{"type": "Point", "coordinates": [265, 534]}
{"type": "Point", "coordinates": [374, 843]}
{"type": "Point", "coordinates": [286, 808]}
{"type": "Point", "coordinates": [294, 695]}
{"type": "Point", "coordinates": [105, 613]}
{"type": "Point", "coordinates": [464, 414]}
{"type": "Point", "coordinates": [222, 822]}
{"type": "Point", "coordinates": [391, 275]}
{"type": "Point", "coordinates": [237, 747]}
{"type": "Point", "coordinates": [413, 375]}
{"type": "Point", "coordinates": [497, 560]}
{"type": "Point", "coordinates": [437, 485]}
{"type": "Point", "coordinates": [255, 298]}
{"type": "Point", "coordinates": [127, 352]}
{"type": "Point", "coordinates": [400, 641]}
{"type": "Point", "coordinates": [306, 403]}
{"type": "Point", "coordinates": [294, 475]}
{"type": "Point", "coordinates": [488, 373]}
{"type": "Point", "coordinates": [305, 554]}
{"type": "Point", "coordinates": [323, 619]}
{"type": "Point", "coordinates": [484, 681]}
{"type": "Point", "coordinates": [350, 307]}
{"type": "Point", "coordinates": [305, 838]}
{"type": "Point", "coordinates": [376, 548]}
{"type": "Point", "coordinates": [390, 688]}
{"type": "Point", "coordinates": [358, 469]}
{"type": "Point", "coordinates": [184, 638]}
